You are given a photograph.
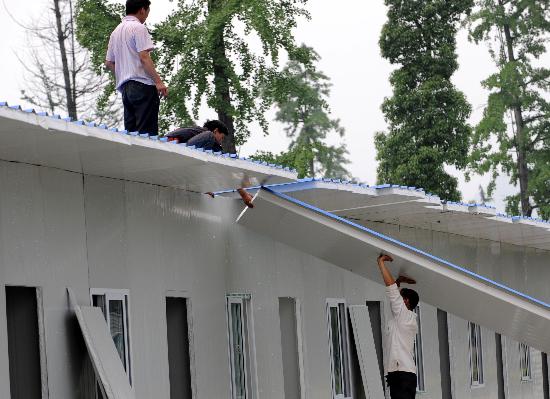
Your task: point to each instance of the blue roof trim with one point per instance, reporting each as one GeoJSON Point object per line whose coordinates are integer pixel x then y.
{"type": "Point", "coordinates": [466, 206]}
{"type": "Point", "coordinates": [160, 138]}
{"type": "Point", "coordinates": [409, 247]}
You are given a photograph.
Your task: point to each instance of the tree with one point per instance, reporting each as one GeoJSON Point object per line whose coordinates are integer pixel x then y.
{"type": "Point", "coordinates": [208, 55]}
{"type": "Point", "coordinates": [517, 115]}
{"type": "Point", "coordinates": [95, 20]}
{"type": "Point", "coordinates": [61, 77]}
{"type": "Point", "coordinates": [427, 115]}
{"type": "Point", "coordinates": [300, 95]}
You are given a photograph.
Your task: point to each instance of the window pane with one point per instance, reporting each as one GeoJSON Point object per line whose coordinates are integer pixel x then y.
{"type": "Point", "coordinates": [336, 352]}
{"type": "Point", "coordinates": [524, 361]}
{"type": "Point", "coordinates": [479, 354]}
{"type": "Point", "coordinates": [99, 301]}
{"type": "Point", "coordinates": [237, 350]}
{"type": "Point", "coordinates": [344, 349]}
{"type": "Point", "coordinates": [116, 326]}
{"type": "Point", "coordinates": [476, 354]}
{"type": "Point", "coordinates": [473, 353]}
{"type": "Point", "coordinates": [418, 354]}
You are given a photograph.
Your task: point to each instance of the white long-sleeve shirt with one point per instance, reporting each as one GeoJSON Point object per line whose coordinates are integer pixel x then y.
{"type": "Point", "coordinates": [400, 334]}
{"type": "Point", "coordinates": [126, 42]}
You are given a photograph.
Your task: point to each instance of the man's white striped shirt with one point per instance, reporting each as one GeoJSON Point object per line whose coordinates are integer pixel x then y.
{"type": "Point", "coordinates": [126, 42]}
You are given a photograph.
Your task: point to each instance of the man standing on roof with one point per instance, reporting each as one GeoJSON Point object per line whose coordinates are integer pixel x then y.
{"type": "Point", "coordinates": [129, 58]}
{"type": "Point", "coordinates": [402, 329]}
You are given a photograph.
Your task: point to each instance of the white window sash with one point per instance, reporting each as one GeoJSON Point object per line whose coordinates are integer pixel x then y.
{"type": "Point", "coordinates": [476, 354]}
{"type": "Point", "coordinates": [419, 353]}
{"type": "Point", "coordinates": [525, 362]}
{"type": "Point", "coordinates": [240, 300]}
{"type": "Point", "coordinates": [123, 296]}
{"type": "Point", "coordinates": [343, 347]}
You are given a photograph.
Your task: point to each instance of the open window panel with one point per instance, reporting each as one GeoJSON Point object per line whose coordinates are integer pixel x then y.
{"type": "Point", "coordinates": [419, 353]}
{"type": "Point", "coordinates": [339, 349]}
{"type": "Point", "coordinates": [114, 305]}
{"type": "Point", "coordinates": [525, 362]}
{"type": "Point", "coordinates": [240, 337]}
{"type": "Point", "coordinates": [367, 359]}
{"type": "Point", "coordinates": [476, 355]}
{"type": "Point", "coordinates": [179, 340]}
{"type": "Point", "coordinates": [291, 347]}
{"type": "Point", "coordinates": [111, 376]}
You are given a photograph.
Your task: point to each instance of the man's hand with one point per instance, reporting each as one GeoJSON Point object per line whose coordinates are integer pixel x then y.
{"type": "Point", "coordinates": [162, 89]}
{"type": "Point", "coordinates": [405, 279]}
{"type": "Point", "coordinates": [384, 258]}
{"type": "Point", "coordinates": [110, 66]}
{"type": "Point", "coordinates": [246, 197]}
{"type": "Point", "coordinates": [149, 67]}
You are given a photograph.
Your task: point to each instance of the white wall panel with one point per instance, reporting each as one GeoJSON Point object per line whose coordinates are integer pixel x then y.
{"type": "Point", "coordinates": [150, 240]}
{"type": "Point", "coordinates": [42, 243]}
{"type": "Point", "coordinates": [460, 362]}
{"type": "Point", "coordinates": [58, 229]}
{"type": "Point", "coordinates": [515, 387]}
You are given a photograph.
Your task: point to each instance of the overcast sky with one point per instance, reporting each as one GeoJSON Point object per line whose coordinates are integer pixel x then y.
{"type": "Point", "coordinates": [345, 34]}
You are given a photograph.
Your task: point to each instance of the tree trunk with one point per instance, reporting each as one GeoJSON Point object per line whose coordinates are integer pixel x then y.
{"type": "Point", "coordinates": [224, 108]}
{"type": "Point", "coordinates": [523, 171]}
{"type": "Point", "coordinates": [71, 104]}
{"type": "Point", "coordinates": [312, 159]}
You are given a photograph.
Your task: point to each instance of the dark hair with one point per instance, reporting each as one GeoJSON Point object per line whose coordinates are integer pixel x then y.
{"type": "Point", "coordinates": [133, 6]}
{"type": "Point", "coordinates": [411, 295]}
{"type": "Point", "coordinates": [216, 124]}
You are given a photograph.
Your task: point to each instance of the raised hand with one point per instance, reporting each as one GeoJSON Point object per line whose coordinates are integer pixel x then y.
{"type": "Point", "coordinates": [385, 258]}
{"type": "Point", "coordinates": [406, 280]}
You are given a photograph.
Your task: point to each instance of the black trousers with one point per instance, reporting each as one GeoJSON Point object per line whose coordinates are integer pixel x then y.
{"type": "Point", "coordinates": [402, 384]}
{"type": "Point", "coordinates": [141, 107]}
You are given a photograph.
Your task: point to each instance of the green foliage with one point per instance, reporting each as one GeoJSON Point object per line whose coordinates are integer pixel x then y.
{"type": "Point", "coordinates": [427, 115]}
{"type": "Point", "coordinates": [207, 54]}
{"type": "Point", "coordinates": [300, 93]}
{"type": "Point", "coordinates": [514, 133]}
{"type": "Point", "coordinates": [95, 20]}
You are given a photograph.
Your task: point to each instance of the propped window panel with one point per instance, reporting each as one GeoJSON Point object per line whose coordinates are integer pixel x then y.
{"type": "Point", "coordinates": [105, 358]}
{"type": "Point", "coordinates": [439, 282]}
{"type": "Point", "coordinates": [366, 351]}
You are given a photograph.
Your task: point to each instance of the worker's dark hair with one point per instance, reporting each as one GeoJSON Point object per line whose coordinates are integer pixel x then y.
{"type": "Point", "coordinates": [133, 6]}
{"type": "Point", "coordinates": [216, 124]}
{"type": "Point", "coordinates": [411, 295]}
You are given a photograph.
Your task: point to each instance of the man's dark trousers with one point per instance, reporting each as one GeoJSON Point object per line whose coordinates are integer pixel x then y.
{"type": "Point", "coordinates": [402, 384]}
{"type": "Point", "coordinates": [141, 107]}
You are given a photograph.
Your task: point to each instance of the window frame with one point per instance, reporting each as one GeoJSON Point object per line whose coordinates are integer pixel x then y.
{"type": "Point", "coordinates": [249, 366]}
{"type": "Point", "coordinates": [344, 348]}
{"type": "Point", "coordinates": [124, 296]}
{"type": "Point", "coordinates": [525, 362]}
{"type": "Point", "coordinates": [419, 353]}
{"type": "Point", "coordinates": [480, 382]}
{"type": "Point", "coordinates": [299, 341]}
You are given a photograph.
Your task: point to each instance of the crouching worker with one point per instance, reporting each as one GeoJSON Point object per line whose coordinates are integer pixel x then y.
{"type": "Point", "coordinates": [402, 329]}
{"type": "Point", "coordinates": [209, 137]}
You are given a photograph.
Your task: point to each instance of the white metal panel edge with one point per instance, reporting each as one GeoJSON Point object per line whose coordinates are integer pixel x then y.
{"type": "Point", "coordinates": [366, 352]}
{"type": "Point", "coordinates": [412, 207]}
{"type": "Point", "coordinates": [85, 148]}
{"type": "Point", "coordinates": [101, 348]}
{"type": "Point", "coordinates": [439, 283]}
